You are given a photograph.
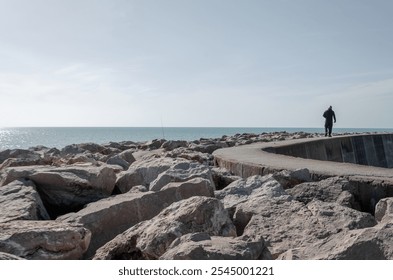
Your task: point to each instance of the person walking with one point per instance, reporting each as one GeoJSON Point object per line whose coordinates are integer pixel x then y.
{"type": "Point", "coordinates": [329, 116]}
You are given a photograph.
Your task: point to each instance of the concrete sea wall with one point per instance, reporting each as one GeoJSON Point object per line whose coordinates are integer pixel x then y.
{"type": "Point", "coordinates": [372, 150]}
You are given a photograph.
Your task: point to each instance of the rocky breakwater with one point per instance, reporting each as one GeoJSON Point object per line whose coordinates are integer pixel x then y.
{"type": "Point", "coordinates": [166, 200]}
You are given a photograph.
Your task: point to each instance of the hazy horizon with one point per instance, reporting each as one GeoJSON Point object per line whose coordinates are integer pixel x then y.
{"type": "Point", "coordinates": [185, 63]}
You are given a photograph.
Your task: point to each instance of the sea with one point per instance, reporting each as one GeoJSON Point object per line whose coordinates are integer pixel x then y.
{"type": "Point", "coordinates": [59, 137]}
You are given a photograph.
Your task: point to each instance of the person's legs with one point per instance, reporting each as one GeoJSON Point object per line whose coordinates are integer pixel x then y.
{"type": "Point", "coordinates": [330, 129]}
{"type": "Point", "coordinates": [326, 129]}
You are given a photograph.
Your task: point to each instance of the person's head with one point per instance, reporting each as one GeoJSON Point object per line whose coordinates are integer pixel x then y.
{"type": "Point", "coordinates": [330, 108]}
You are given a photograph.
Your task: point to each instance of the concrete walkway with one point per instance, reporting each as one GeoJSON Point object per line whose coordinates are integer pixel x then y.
{"type": "Point", "coordinates": [251, 160]}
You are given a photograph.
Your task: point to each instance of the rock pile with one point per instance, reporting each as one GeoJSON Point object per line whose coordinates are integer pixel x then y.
{"type": "Point", "coordinates": [166, 200]}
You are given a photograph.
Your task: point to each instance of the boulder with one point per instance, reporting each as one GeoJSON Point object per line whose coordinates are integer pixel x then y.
{"type": "Point", "coordinates": [201, 246]}
{"type": "Point", "coordinates": [285, 225]}
{"type": "Point", "coordinates": [143, 172]}
{"type": "Point", "coordinates": [151, 239]}
{"type": "Point", "coordinates": [203, 186]}
{"type": "Point", "coordinates": [335, 189]}
{"type": "Point", "coordinates": [373, 243]}
{"type": "Point", "coordinates": [117, 160]}
{"type": "Point", "coordinates": [22, 157]}
{"type": "Point", "coordinates": [18, 154]}
{"type": "Point", "coordinates": [127, 155]}
{"type": "Point", "coordinates": [336, 218]}
{"type": "Point", "coordinates": [208, 147]}
{"type": "Point", "coordinates": [282, 224]}
{"type": "Point", "coordinates": [123, 159]}
{"type": "Point", "coordinates": [43, 240]}
{"type": "Point", "coordinates": [182, 172]}
{"type": "Point", "coordinates": [81, 148]}
{"type": "Point", "coordinates": [173, 144]}
{"type": "Point", "coordinates": [384, 210]}
{"type": "Point", "coordinates": [66, 188]}
{"type": "Point", "coordinates": [126, 180]}
{"type": "Point", "coordinates": [109, 217]}
{"type": "Point", "coordinates": [122, 146]}
{"type": "Point", "coordinates": [191, 155]}
{"type": "Point", "coordinates": [19, 200]}
{"type": "Point", "coordinates": [241, 190]}
{"type": "Point", "coordinates": [153, 144]}
{"type": "Point", "coordinates": [260, 205]}
{"type": "Point", "coordinates": [50, 153]}
{"type": "Point", "coordinates": [291, 178]}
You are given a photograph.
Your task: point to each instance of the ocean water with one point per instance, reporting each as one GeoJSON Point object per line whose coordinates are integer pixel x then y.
{"type": "Point", "coordinates": [25, 137]}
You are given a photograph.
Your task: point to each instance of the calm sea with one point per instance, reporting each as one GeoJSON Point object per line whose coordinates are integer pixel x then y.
{"type": "Point", "coordinates": [25, 137]}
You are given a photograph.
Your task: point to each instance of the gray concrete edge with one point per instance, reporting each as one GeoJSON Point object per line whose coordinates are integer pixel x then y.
{"type": "Point", "coordinates": [252, 159]}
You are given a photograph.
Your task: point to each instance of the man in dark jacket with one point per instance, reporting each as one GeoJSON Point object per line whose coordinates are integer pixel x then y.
{"type": "Point", "coordinates": [329, 117]}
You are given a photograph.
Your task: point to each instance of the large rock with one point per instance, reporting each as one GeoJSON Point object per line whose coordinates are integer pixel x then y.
{"type": "Point", "coordinates": [151, 239]}
{"type": "Point", "coordinates": [22, 157]}
{"type": "Point", "coordinates": [208, 146]}
{"type": "Point", "coordinates": [191, 155]}
{"type": "Point", "coordinates": [384, 210]}
{"type": "Point", "coordinates": [123, 159]}
{"type": "Point", "coordinates": [335, 189]}
{"type": "Point", "coordinates": [66, 188]}
{"type": "Point", "coordinates": [336, 218]}
{"type": "Point", "coordinates": [198, 184]}
{"type": "Point", "coordinates": [241, 190]}
{"type": "Point", "coordinates": [182, 172]}
{"type": "Point", "coordinates": [74, 149]}
{"type": "Point", "coordinates": [282, 224]}
{"type": "Point", "coordinates": [374, 243]}
{"type": "Point", "coordinates": [260, 205]}
{"type": "Point", "coordinates": [173, 144]}
{"type": "Point", "coordinates": [290, 224]}
{"type": "Point", "coordinates": [201, 246]}
{"type": "Point", "coordinates": [109, 217]}
{"type": "Point", "coordinates": [153, 144]}
{"type": "Point", "coordinates": [18, 154]}
{"type": "Point", "coordinates": [291, 178]}
{"type": "Point", "coordinates": [43, 240]}
{"type": "Point", "coordinates": [122, 146]}
{"type": "Point", "coordinates": [143, 172]}
{"type": "Point", "coordinates": [127, 155]}
{"type": "Point", "coordinates": [117, 160]}
{"type": "Point", "coordinates": [20, 200]}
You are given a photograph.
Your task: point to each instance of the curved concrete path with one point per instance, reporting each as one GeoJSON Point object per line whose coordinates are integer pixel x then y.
{"type": "Point", "coordinates": [253, 159]}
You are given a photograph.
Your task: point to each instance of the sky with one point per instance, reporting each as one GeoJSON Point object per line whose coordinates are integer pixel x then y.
{"type": "Point", "coordinates": [225, 63]}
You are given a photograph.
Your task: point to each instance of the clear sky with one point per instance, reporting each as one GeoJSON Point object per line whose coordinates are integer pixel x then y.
{"type": "Point", "coordinates": [248, 63]}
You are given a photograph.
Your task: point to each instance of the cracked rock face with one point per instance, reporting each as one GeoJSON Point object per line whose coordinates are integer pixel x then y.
{"type": "Point", "coordinates": [44, 240]}
{"type": "Point", "coordinates": [151, 239]}
{"type": "Point", "coordinates": [143, 172]}
{"type": "Point", "coordinates": [201, 246]}
{"type": "Point", "coordinates": [372, 243]}
{"type": "Point", "coordinates": [109, 217]}
{"type": "Point", "coordinates": [182, 172]}
{"type": "Point", "coordinates": [333, 189]}
{"type": "Point", "coordinates": [68, 187]}
{"type": "Point", "coordinates": [260, 205]}
{"type": "Point", "coordinates": [20, 200]}
{"type": "Point", "coordinates": [384, 210]}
